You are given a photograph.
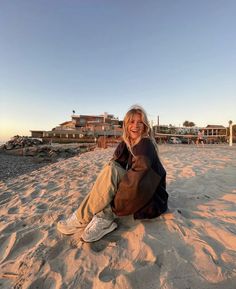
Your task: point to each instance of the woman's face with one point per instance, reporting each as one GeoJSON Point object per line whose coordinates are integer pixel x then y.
{"type": "Point", "coordinates": [135, 127]}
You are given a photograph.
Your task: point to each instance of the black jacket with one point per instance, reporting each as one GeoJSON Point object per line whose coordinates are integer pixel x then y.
{"type": "Point", "coordinates": [142, 190]}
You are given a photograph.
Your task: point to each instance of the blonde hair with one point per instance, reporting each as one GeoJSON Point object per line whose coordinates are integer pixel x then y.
{"type": "Point", "coordinates": [137, 109]}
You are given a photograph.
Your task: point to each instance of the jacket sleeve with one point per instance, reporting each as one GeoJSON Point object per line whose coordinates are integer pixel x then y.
{"type": "Point", "coordinates": [138, 185]}
{"type": "Point", "coordinates": [121, 154]}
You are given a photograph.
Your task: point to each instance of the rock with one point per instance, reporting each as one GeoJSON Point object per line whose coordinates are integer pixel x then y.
{"type": "Point", "coordinates": [15, 152]}
{"type": "Point", "coordinates": [9, 146]}
{"type": "Point", "coordinates": [30, 147]}
{"type": "Point", "coordinates": [30, 151]}
{"type": "Point", "coordinates": [21, 142]}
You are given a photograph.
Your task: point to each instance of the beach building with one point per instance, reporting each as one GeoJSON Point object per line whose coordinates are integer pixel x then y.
{"type": "Point", "coordinates": [211, 133]}
{"type": "Point", "coordinates": [214, 133]}
{"type": "Point", "coordinates": [82, 128]}
{"type": "Point", "coordinates": [214, 130]}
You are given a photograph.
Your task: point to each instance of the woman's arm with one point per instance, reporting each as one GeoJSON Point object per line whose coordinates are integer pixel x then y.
{"type": "Point", "coordinates": [121, 154]}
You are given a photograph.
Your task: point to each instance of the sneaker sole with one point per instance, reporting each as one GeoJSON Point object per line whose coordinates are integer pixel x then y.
{"type": "Point", "coordinates": [109, 229]}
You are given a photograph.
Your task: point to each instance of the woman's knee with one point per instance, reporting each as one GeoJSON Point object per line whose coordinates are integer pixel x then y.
{"type": "Point", "coordinates": [115, 166]}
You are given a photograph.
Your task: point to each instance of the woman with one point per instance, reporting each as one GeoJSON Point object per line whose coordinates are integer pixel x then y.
{"type": "Point", "coordinates": [132, 183]}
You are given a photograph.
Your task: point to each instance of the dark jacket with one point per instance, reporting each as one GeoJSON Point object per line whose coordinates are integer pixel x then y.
{"type": "Point", "coordinates": [142, 190]}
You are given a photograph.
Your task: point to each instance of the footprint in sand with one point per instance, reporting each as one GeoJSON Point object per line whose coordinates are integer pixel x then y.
{"type": "Point", "coordinates": [56, 250]}
{"type": "Point", "coordinates": [5, 198]}
{"type": "Point", "coordinates": [107, 275]}
{"type": "Point", "coordinates": [42, 206]}
{"type": "Point", "coordinates": [6, 243]}
{"type": "Point", "coordinates": [24, 200]}
{"type": "Point", "coordinates": [13, 227]}
{"type": "Point", "coordinates": [46, 283]}
{"type": "Point", "coordinates": [98, 246]}
{"type": "Point", "coordinates": [35, 194]}
{"type": "Point", "coordinates": [13, 210]}
{"type": "Point", "coordinates": [24, 243]}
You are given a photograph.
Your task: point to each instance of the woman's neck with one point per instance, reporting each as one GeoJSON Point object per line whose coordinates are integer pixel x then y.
{"type": "Point", "coordinates": [134, 142]}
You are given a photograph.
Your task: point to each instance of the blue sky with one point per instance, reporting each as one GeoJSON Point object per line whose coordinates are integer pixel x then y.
{"type": "Point", "coordinates": [177, 58]}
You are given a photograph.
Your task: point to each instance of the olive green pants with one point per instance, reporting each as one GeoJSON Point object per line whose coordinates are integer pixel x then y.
{"type": "Point", "coordinates": [103, 191]}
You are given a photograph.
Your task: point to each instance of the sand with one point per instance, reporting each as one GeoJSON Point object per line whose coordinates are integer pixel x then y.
{"type": "Point", "coordinates": [192, 246]}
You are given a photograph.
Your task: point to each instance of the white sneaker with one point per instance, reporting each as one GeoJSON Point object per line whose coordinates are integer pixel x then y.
{"type": "Point", "coordinates": [70, 225]}
{"type": "Point", "coordinates": [98, 228]}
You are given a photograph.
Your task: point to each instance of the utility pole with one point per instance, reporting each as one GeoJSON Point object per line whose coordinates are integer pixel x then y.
{"type": "Point", "coordinates": [230, 133]}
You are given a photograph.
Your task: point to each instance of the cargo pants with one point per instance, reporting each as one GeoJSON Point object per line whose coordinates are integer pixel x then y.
{"type": "Point", "coordinates": [102, 193]}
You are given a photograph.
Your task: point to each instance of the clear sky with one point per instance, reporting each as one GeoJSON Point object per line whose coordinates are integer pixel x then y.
{"type": "Point", "coordinates": [177, 58]}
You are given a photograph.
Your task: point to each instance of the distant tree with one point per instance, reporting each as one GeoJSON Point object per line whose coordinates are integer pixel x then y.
{"type": "Point", "coordinates": [227, 129]}
{"type": "Point", "coordinates": [73, 111]}
{"type": "Point", "coordinates": [188, 123]}
{"type": "Point", "coordinates": [191, 124]}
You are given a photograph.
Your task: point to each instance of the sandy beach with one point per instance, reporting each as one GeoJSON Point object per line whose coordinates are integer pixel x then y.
{"type": "Point", "coordinates": [193, 245]}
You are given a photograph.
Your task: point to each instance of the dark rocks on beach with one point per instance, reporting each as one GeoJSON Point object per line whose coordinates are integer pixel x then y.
{"type": "Point", "coordinates": [20, 142]}
{"type": "Point", "coordinates": [27, 146]}
{"type": "Point", "coordinates": [50, 153]}
{"type": "Point", "coordinates": [22, 155]}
